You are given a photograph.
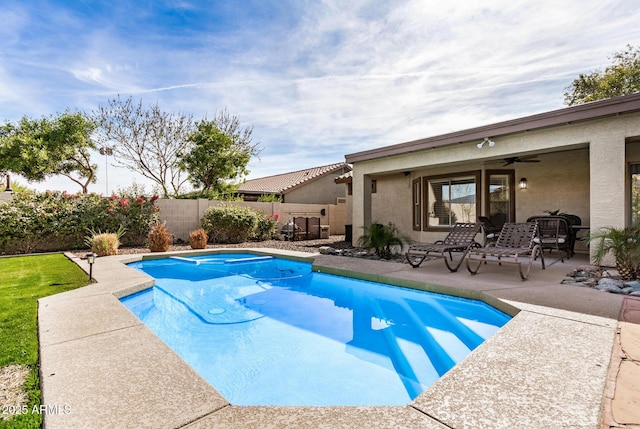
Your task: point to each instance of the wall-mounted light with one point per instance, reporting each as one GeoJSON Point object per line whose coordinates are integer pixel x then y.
{"type": "Point", "coordinates": [91, 259]}
{"type": "Point", "coordinates": [488, 141]}
{"type": "Point", "coordinates": [523, 183]}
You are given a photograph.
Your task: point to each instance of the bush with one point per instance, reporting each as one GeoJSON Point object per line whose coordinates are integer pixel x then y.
{"type": "Point", "coordinates": [159, 238]}
{"type": "Point", "coordinates": [381, 238]}
{"type": "Point", "coordinates": [267, 227]}
{"type": "Point", "coordinates": [198, 239]}
{"type": "Point", "coordinates": [229, 224]}
{"type": "Point", "coordinates": [59, 220]}
{"type": "Point", "coordinates": [104, 243]}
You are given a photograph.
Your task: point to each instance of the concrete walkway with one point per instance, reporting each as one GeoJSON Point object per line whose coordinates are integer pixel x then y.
{"type": "Point", "coordinates": [549, 367]}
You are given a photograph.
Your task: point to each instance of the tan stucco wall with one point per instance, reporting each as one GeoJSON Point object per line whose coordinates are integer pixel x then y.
{"type": "Point", "coordinates": [324, 190]}
{"type": "Point", "coordinates": [582, 171]}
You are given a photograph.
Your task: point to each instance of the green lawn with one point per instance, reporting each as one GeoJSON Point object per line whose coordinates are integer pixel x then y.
{"type": "Point", "coordinates": [23, 280]}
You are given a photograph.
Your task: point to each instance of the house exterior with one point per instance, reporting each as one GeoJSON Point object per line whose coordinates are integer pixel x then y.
{"type": "Point", "coordinates": [310, 186]}
{"type": "Point", "coordinates": [582, 160]}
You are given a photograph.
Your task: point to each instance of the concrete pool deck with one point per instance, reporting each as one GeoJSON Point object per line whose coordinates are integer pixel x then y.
{"type": "Point", "coordinates": [549, 367]}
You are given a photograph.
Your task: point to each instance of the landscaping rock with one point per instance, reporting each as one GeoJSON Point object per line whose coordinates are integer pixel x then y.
{"type": "Point", "coordinates": [327, 250]}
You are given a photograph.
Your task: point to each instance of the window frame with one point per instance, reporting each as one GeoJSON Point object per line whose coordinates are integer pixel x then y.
{"type": "Point", "coordinates": [416, 208]}
{"type": "Point", "coordinates": [631, 167]}
{"type": "Point", "coordinates": [476, 174]}
{"type": "Point", "coordinates": [512, 192]}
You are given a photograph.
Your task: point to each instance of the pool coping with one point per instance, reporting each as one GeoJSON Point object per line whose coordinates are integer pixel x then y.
{"type": "Point", "coordinates": [101, 367]}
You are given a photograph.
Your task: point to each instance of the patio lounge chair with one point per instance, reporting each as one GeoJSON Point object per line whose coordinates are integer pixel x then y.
{"type": "Point", "coordinates": [460, 239]}
{"type": "Point", "coordinates": [515, 241]}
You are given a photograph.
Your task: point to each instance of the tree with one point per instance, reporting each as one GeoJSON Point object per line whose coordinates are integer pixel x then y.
{"type": "Point", "coordinates": [620, 78]}
{"type": "Point", "coordinates": [215, 157]}
{"type": "Point", "coordinates": [146, 141]}
{"type": "Point", "coordinates": [40, 148]}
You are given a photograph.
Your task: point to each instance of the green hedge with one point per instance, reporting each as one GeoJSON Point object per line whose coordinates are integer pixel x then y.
{"type": "Point", "coordinates": [227, 224]}
{"type": "Point", "coordinates": [48, 221]}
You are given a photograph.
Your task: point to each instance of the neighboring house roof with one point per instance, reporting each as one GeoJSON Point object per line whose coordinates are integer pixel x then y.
{"type": "Point", "coordinates": [345, 178]}
{"type": "Point", "coordinates": [283, 183]}
{"type": "Point", "coordinates": [583, 112]}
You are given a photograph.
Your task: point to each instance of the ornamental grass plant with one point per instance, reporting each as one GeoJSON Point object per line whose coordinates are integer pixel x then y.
{"type": "Point", "coordinates": [159, 238]}
{"type": "Point", "coordinates": [104, 243]}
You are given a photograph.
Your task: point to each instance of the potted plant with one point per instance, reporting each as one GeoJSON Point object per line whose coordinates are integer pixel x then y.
{"type": "Point", "coordinates": [624, 243]}
{"type": "Point", "coordinates": [198, 239]}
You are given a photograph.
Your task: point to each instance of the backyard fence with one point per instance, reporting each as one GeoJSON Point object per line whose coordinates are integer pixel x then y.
{"type": "Point", "coordinates": [183, 216]}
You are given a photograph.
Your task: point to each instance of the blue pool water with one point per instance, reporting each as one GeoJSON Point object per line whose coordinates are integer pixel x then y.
{"type": "Point", "coordinates": [269, 331]}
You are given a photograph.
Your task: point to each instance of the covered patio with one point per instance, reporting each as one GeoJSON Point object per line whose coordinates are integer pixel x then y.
{"type": "Point", "coordinates": [582, 160]}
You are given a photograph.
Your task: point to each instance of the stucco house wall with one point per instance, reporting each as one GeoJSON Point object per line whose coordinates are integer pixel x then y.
{"type": "Point", "coordinates": [582, 169]}
{"type": "Point", "coordinates": [323, 190]}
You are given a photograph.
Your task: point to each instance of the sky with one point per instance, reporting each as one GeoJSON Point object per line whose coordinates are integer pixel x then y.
{"type": "Point", "coordinates": [315, 79]}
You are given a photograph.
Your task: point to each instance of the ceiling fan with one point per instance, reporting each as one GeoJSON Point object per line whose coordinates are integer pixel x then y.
{"type": "Point", "coordinates": [514, 159]}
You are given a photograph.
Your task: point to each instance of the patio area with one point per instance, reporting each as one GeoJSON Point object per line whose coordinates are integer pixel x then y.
{"type": "Point", "coordinates": [547, 368]}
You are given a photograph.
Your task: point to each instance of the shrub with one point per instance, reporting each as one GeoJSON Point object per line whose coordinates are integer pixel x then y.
{"type": "Point", "coordinates": [59, 220]}
{"type": "Point", "coordinates": [159, 238]}
{"type": "Point", "coordinates": [381, 238]}
{"type": "Point", "coordinates": [229, 224]}
{"type": "Point", "coordinates": [624, 243]}
{"type": "Point", "coordinates": [267, 227]}
{"type": "Point", "coordinates": [198, 239]}
{"type": "Point", "coordinates": [104, 243]}
{"type": "Point", "coordinates": [270, 198]}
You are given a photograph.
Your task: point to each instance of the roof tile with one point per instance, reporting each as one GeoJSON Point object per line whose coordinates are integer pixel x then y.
{"type": "Point", "coordinates": [282, 183]}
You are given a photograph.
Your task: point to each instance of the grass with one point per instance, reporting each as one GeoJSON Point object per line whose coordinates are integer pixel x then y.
{"type": "Point", "coordinates": [24, 280]}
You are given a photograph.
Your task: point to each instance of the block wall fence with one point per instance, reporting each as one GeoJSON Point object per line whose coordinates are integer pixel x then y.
{"type": "Point", "coordinates": [183, 216]}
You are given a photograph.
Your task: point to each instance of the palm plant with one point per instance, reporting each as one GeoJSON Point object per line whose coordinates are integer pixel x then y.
{"type": "Point", "coordinates": [624, 243]}
{"type": "Point", "coordinates": [381, 238]}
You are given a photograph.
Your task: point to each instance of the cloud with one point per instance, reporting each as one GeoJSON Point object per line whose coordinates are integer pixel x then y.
{"type": "Point", "coordinates": [319, 79]}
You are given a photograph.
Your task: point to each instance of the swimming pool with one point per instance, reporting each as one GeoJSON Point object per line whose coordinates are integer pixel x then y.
{"type": "Point", "coordinates": [269, 331]}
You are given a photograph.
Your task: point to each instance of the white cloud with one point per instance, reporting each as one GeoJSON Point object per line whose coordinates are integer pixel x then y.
{"type": "Point", "coordinates": [323, 79]}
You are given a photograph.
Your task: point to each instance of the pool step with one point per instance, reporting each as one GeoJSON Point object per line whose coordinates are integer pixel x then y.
{"type": "Point", "coordinates": [400, 363]}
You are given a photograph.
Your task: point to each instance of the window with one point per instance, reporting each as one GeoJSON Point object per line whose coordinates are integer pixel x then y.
{"type": "Point", "coordinates": [417, 205]}
{"type": "Point", "coordinates": [634, 173]}
{"type": "Point", "coordinates": [450, 199]}
{"type": "Point", "coordinates": [500, 203]}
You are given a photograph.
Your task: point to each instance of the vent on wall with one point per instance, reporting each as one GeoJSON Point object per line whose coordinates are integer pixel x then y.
{"type": "Point", "coordinates": [341, 200]}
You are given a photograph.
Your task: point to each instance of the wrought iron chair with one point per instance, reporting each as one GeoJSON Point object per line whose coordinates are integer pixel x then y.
{"type": "Point", "coordinates": [460, 239]}
{"type": "Point", "coordinates": [515, 241]}
{"type": "Point", "coordinates": [490, 230]}
{"type": "Point", "coordinates": [554, 233]}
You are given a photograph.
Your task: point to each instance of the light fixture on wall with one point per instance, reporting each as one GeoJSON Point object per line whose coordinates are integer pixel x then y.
{"type": "Point", "coordinates": [486, 140]}
{"type": "Point", "coordinates": [523, 183]}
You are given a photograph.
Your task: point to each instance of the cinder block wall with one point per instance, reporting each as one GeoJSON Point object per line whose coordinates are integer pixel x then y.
{"type": "Point", "coordinates": [183, 216]}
